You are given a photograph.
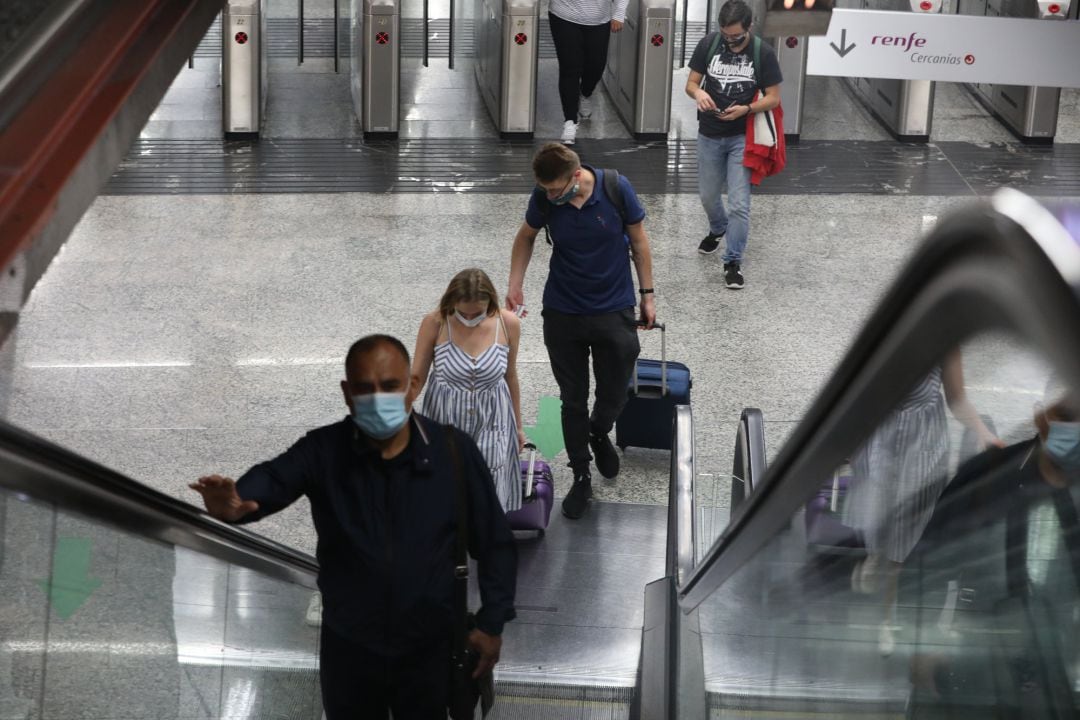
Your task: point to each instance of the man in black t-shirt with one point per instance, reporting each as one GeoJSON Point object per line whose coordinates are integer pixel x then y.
{"type": "Point", "coordinates": [724, 82]}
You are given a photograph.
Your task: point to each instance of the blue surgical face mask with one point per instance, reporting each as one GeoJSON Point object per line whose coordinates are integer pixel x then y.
{"type": "Point", "coordinates": [1063, 444]}
{"type": "Point", "coordinates": [467, 322]}
{"type": "Point", "coordinates": [568, 196]}
{"type": "Point", "coordinates": [380, 415]}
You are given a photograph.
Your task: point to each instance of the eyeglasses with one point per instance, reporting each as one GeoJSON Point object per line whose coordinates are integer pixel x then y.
{"type": "Point", "coordinates": [558, 193]}
{"type": "Point", "coordinates": [734, 39]}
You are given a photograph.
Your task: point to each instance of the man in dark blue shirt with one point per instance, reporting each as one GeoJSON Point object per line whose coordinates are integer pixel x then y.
{"type": "Point", "coordinates": [588, 301]}
{"type": "Point", "coordinates": [382, 491]}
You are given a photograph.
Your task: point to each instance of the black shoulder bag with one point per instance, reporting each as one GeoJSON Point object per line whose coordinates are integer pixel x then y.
{"type": "Point", "coordinates": [465, 691]}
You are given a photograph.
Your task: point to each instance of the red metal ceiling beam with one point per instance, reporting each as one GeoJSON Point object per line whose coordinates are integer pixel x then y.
{"type": "Point", "coordinates": [41, 149]}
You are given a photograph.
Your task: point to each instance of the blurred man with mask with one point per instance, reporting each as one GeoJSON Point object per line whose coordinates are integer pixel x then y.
{"type": "Point", "coordinates": [1007, 525]}
{"type": "Point", "coordinates": [382, 492]}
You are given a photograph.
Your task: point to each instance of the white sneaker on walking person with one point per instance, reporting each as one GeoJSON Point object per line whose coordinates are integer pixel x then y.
{"type": "Point", "coordinates": [584, 107]}
{"type": "Point", "coordinates": [313, 616]}
{"type": "Point", "coordinates": [569, 132]}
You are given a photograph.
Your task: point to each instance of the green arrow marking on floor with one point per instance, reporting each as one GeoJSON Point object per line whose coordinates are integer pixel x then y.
{"type": "Point", "coordinates": [546, 434]}
{"type": "Point", "coordinates": [71, 584]}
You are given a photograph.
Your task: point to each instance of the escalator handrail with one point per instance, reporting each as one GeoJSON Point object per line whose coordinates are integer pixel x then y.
{"type": "Point", "coordinates": [1007, 265]}
{"type": "Point", "coordinates": [681, 537]}
{"type": "Point", "coordinates": [32, 467]}
{"type": "Point", "coordinates": [749, 463]}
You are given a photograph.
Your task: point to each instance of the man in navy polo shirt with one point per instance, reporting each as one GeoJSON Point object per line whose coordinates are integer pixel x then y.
{"type": "Point", "coordinates": [589, 301]}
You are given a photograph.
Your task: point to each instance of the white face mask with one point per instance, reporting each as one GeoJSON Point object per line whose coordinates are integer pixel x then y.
{"type": "Point", "coordinates": [469, 323]}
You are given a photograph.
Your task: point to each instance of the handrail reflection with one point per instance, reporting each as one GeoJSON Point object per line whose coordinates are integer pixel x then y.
{"type": "Point", "coordinates": [34, 468]}
{"type": "Point", "coordinates": [1007, 265]}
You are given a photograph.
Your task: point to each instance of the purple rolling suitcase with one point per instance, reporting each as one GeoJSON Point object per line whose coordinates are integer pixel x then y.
{"type": "Point", "coordinates": [537, 495]}
{"type": "Point", "coordinates": [824, 529]}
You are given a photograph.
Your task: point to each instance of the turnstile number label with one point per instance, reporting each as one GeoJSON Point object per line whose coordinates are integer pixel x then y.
{"type": "Point", "coordinates": [657, 40]}
{"type": "Point", "coordinates": [382, 38]}
{"type": "Point", "coordinates": [521, 38]}
{"type": "Point", "coordinates": [241, 38]}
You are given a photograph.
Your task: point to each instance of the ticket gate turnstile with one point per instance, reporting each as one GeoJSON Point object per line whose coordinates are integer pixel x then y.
{"type": "Point", "coordinates": [507, 45]}
{"type": "Point", "coordinates": [375, 63]}
{"type": "Point", "coordinates": [791, 53]}
{"type": "Point", "coordinates": [243, 68]}
{"type": "Point", "coordinates": [638, 73]}
{"type": "Point", "coordinates": [904, 107]}
{"type": "Point", "coordinates": [1030, 113]}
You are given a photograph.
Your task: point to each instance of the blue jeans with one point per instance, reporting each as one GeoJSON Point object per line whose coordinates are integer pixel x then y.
{"type": "Point", "coordinates": [720, 160]}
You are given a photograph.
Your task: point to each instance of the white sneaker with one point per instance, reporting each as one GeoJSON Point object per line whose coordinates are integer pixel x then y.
{"type": "Point", "coordinates": [585, 108]}
{"type": "Point", "coordinates": [569, 132]}
{"type": "Point", "coordinates": [886, 641]}
{"type": "Point", "coordinates": [313, 616]}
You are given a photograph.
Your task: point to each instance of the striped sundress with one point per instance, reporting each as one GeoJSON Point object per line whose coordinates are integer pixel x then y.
{"type": "Point", "coordinates": [472, 395]}
{"type": "Point", "coordinates": [900, 472]}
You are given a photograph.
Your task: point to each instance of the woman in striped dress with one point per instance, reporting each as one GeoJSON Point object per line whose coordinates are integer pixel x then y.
{"type": "Point", "coordinates": [469, 347]}
{"type": "Point", "coordinates": [899, 474]}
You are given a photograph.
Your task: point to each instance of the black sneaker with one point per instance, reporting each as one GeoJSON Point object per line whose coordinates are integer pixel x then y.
{"type": "Point", "coordinates": [733, 276]}
{"type": "Point", "coordinates": [577, 500]}
{"type": "Point", "coordinates": [710, 243]}
{"type": "Point", "coordinates": [604, 455]}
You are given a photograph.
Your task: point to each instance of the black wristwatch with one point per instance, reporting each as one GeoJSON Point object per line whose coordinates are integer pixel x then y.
{"type": "Point", "coordinates": [646, 291]}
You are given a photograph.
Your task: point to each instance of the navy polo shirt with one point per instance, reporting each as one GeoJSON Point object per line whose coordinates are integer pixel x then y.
{"type": "Point", "coordinates": [589, 273]}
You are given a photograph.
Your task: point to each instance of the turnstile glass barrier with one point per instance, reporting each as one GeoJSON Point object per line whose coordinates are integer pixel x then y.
{"type": "Point", "coordinates": [913, 551]}
{"type": "Point", "coordinates": [97, 622]}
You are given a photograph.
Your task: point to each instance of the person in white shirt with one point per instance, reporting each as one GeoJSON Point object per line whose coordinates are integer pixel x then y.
{"type": "Point", "coordinates": [581, 30]}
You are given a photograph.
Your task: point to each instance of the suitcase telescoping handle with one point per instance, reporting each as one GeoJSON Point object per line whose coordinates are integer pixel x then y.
{"type": "Point", "coordinates": [532, 468]}
{"type": "Point", "coordinates": [663, 359]}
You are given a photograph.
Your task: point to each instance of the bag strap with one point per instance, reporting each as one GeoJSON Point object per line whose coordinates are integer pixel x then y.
{"type": "Point", "coordinates": [757, 62]}
{"type": "Point", "coordinates": [714, 45]}
{"type": "Point", "coordinates": [614, 192]}
{"type": "Point", "coordinates": [461, 544]}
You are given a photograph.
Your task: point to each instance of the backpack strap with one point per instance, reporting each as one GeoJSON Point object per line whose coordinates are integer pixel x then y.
{"type": "Point", "coordinates": [544, 206]}
{"type": "Point", "coordinates": [757, 62]}
{"type": "Point", "coordinates": [714, 45]}
{"type": "Point", "coordinates": [614, 192]}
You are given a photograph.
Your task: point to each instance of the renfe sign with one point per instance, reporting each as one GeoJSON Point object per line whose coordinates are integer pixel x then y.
{"type": "Point", "coordinates": [956, 48]}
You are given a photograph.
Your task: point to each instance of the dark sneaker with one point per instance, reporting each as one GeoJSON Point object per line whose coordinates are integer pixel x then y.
{"type": "Point", "coordinates": [604, 455]}
{"type": "Point", "coordinates": [733, 276]}
{"type": "Point", "coordinates": [710, 243]}
{"type": "Point", "coordinates": [577, 500]}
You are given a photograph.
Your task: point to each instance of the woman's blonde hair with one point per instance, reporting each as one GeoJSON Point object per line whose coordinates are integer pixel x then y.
{"type": "Point", "coordinates": [471, 285]}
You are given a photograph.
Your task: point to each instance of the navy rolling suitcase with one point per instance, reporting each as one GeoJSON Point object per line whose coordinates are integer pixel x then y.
{"type": "Point", "coordinates": [655, 389]}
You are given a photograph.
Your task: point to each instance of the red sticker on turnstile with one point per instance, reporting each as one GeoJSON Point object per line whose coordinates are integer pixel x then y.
{"type": "Point", "coordinates": [792, 41]}
{"type": "Point", "coordinates": [969, 59]}
{"type": "Point", "coordinates": [240, 37]}
{"type": "Point", "coordinates": [382, 38]}
{"type": "Point", "coordinates": [657, 40]}
{"type": "Point", "coordinates": [521, 38]}
{"type": "Point", "coordinates": [1054, 9]}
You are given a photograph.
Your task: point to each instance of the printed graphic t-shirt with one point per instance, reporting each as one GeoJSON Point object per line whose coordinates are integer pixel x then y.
{"type": "Point", "coordinates": [728, 77]}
